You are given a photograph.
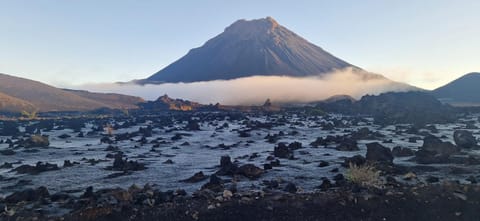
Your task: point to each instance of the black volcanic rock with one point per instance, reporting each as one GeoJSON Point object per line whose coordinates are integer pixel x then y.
{"type": "Point", "coordinates": [248, 48]}
{"type": "Point", "coordinates": [462, 91]}
{"type": "Point", "coordinates": [28, 195]}
{"type": "Point", "coordinates": [415, 107]}
{"type": "Point", "coordinates": [197, 177]}
{"type": "Point", "coordinates": [250, 171]}
{"type": "Point", "coordinates": [40, 167]}
{"type": "Point", "coordinates": [464, 139]}
{"type": "Point", "coordinates": [283, 151]}
{"type": "Point", "coordinates": [378, 153]}
{"type": "Point", "coordinates": [435, 150]}
{"type": "Point", "coordinates": [36, 141]}
{"type": "Point", "coordinates": [405, 107]}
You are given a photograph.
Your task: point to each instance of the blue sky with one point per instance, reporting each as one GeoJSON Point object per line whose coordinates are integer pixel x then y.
{"type": "Point", "coordinates": [64, 42]}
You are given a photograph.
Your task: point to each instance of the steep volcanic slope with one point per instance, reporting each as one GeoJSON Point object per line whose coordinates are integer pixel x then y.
{"type": "Point", "coordinates": [248, 48]}
{"type": "Point", "coordinates": [462, 91]}
{"type": "Point", "coordinates": [19, 94]}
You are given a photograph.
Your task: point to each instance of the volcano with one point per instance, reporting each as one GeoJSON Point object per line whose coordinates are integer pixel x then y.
{"type": "Point", "coordinates": [251, 48]}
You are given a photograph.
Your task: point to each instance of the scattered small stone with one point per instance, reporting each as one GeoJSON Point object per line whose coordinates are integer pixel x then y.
{"type": "Point", "coordinates": [121, 164]}
{"type": "Point", "coordinates": [64, 136]}
{"type": "Point", "coordinates": [67, 163]}
{"type": "Point", "coordinates": [472, 179]}
{"type": "Point", "coordinates": [227, 194]}
{"type": "Point", "coordinates": [432, 179]}
{"type": "Point", "coordinates": [290, 187]}
{"type": "Point", "coordinates": [197, 177]}
{"type": "Point", "coordinates": [7, 152]}
{"type": "Point", "coordinates": [326, 184]}
{"type": "Point", "coordinates": [323, 164]}
{"type": "Point", "coordinates": [283, 151]}
{"type": "Point", "coordinates": [250, 171]}
{"type": "Point", "coordinates": [409, 176]}
{"type": "Point", "coordinates": [169, 161]}
{"type": "Point", "coordinates": [215, 184]}
{"type": "Point", "coordinates": [267, 166]}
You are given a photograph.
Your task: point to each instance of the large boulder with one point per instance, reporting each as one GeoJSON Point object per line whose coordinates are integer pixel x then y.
{"type": "Point", "coordinates": [36, 141]}
{"type": "Point", "coordinates": [435, 150]}
{"type": "Point", "coordinates": [250, 171]}
{"type": "Point", "coordinates": [283, 151]}
{"type": "Point", "coordinates": [464, 139]}
{"type": "Point", "coordinates": [226, 166]}
{"type": "Point", "coordinates": [434, 144]}
{"type": "Point", "coordinates": [379, 154]}
{"type": "Point", "coordinates": [347, 145]}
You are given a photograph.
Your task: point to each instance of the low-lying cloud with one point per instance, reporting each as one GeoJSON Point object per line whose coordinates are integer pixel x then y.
{"type": "Point", "coordinates": [255, 90]}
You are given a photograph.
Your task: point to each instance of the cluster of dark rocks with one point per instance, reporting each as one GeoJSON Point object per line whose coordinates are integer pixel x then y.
{"type": "Point", "coordinates": [226, 168]}
{"type": "Point", "coordinates": [38, 168]}
{"type": "Point", "coordinates": [122, 164]}
{"type": "Point", "coordinates": [282, 150]}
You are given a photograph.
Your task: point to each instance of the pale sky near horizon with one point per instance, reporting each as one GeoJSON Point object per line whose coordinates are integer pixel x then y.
{"type": "Point", "coordinates": [424, 43]}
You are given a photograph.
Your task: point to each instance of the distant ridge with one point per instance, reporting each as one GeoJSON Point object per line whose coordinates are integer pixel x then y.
{"type": "Point", "coordinates": [414, 107]}
{"type": "Point", "coordinates": [20, 94]}
{"type": "Point", "coordinates": [464, 91]}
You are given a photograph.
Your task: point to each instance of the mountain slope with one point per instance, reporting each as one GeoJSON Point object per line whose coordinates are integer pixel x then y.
{"type": "Point", "coordinates": [12, 104]}
{"type": "Point", "coordinates": [116, 101]}
{"type": "Point", "coordinates": [462, 91]}
{"type": "Point", "coordinates": [20, 94]}
{"type": "Point", "coordinates": [248, 48]}
{"type": "Point", "coordinates": [45, 97]}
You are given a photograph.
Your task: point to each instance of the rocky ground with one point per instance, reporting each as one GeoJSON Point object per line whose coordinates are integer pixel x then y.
{"type": "Point", "coordinates": [227, 165]}
{"type": "Point", "coordinates": [448, 201]}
